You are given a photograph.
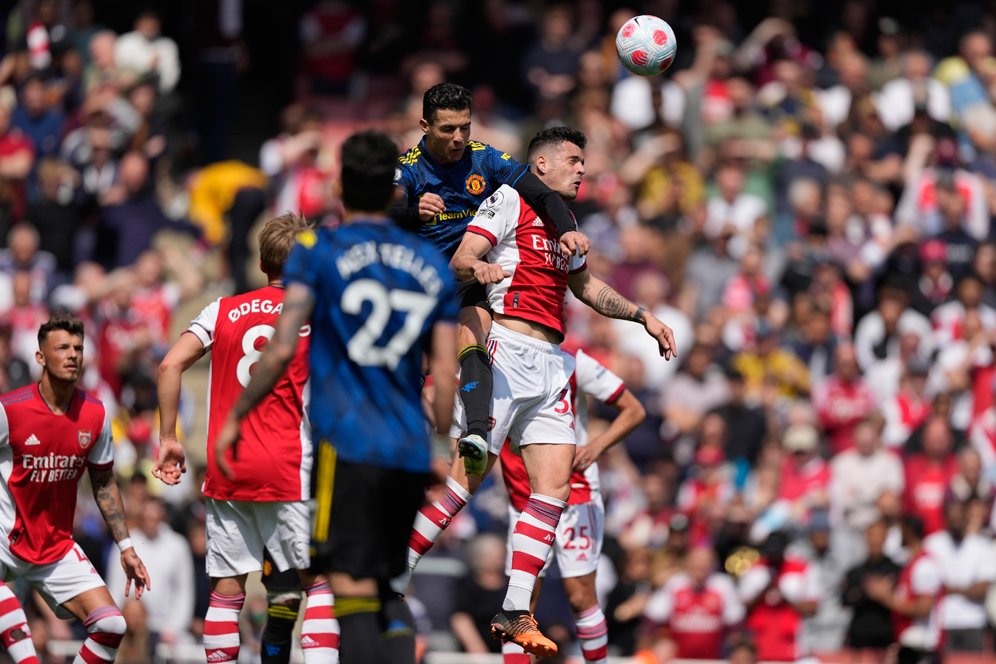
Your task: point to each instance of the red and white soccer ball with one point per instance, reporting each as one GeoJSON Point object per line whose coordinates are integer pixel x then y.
{"type": "Point", "coordinates": [646, 45]}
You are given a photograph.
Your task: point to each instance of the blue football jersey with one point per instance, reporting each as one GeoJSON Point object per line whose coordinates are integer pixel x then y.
{"type": "Point", "coordinates": [378, 292]}
{"type": "Point", "coordinates": [463, 186]}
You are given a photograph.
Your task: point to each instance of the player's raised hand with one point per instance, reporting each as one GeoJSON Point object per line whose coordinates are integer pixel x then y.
{"type": "Point", "coordinates": [135, 572]}
{"type": "Point", "coordinates": [490, 273]}
{"type": "Point", "coordinates": [663, 334]}
{"type": "Point", "coordinates": [227, 438]}
{"type": "Point", "coordinates": [429, 205]}
{"type": "Point", "coordinates": [172, 462]}
{"type": "Point", "coordinates": [575, 243]}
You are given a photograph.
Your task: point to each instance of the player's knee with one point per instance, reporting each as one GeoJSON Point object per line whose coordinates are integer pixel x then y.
{"type": "Point", "coordinates": [107, 620]}
{"type": "Point", "coordinates": [581, 598]}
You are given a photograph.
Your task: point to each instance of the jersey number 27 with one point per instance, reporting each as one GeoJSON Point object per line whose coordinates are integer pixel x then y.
{"type": "Point", "coordinates": [363, 348]}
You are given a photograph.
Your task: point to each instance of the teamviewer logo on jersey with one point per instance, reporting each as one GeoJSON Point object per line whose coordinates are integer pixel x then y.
{"type": "Point", "coordinates": [32, 440]}
{"type": "Point", "coordinates": [85, 438]}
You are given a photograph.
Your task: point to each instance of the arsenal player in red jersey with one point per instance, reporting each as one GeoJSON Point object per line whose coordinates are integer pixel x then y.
{"type": "Point", "coordinates": [50, 432]}
{"type": "Point", "coordinates": [260, 503]}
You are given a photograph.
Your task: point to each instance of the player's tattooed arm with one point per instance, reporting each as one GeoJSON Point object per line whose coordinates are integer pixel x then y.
{"type": "Point", "coordinates": [108, 499]}
{"type": "Point", "coordinates": [605, 300]}
{"type": "Point", "coordinates": [299, 301]}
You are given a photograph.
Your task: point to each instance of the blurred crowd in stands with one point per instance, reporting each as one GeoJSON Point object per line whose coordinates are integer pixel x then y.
{"type": "Point", "coordinates": [806, 197]}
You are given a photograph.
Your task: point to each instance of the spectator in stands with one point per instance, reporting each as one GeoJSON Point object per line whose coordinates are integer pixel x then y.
{"type": "Point", "coordinates": [968, 569]}
{"type": "Point", "coordinates": [912, 598]}
{"type": "Point", "coordinates": [772, 372]}
{"type": "Point", "coordinates": [551, 64]}
{"type": "Point", "coordinates": [56, 215]}
{"type": "Point", "coordinates": [928, 474]}
{"type": "Point", "coordinates": [146, 51]}
{"type": "Point", "coordinates": [805, 476]}
{"type": "Point", "coordinates": [843, 400]}
{"type": "Point", "coordinates": [877, 334]}
{"type": "Point", "coordinates": [870, 629]}
{"type": "Point", "coordinates": [24, 254]}
{"type": "Point", "coordinates": [900, 98]}
{"type": "Point", "coordinates": [627, 601]}
{"type": "Point", "coordinates": [37, 118]}
{"type": "Point", "coordinates": [824, 630]}
{"type": "Point", "coordinates": [779, 593]}
{"type": "Point", "coordinates": [697, 609]}
{"type": "Point", "coordinates": [858, 479]}
{"type": "Point", "coordinates": [167, 555]}
{"type": "Point", "coordinates": [17, 158]}
{"type": "Point", "coordinates": [733, 208]}
{"type": "Point", "coordinates": [746, 425]}
{"type": "Point", "coordinates": [909, 408]}
{"type": "Point", "coordinates": [478, 593]}
{"type": "Point", "coordinates": [696, 389]}
{"type": "Point", "coordinates": [331, 33]}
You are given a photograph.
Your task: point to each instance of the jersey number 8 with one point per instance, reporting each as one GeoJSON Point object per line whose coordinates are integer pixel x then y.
{"type": "Point", "coordinates": [362, 347]}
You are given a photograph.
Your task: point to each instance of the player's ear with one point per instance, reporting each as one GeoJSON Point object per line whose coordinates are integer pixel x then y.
{"type": "Point", "coordinates": [424, 125]}
{"type": "Point", "coordinates": [39, 358]}
{"type": "Point", "coordinates": [541, 165]}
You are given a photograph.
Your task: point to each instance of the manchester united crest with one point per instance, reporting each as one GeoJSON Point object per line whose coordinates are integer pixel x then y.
{"type": "Point", "coordinates": [85, 438]}
{"type": "Point", "coordinates": [476, 184]}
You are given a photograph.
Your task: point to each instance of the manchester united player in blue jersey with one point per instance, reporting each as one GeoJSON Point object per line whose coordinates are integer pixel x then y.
{"type": "Point", "coordinates": [441, 182]}
{"type": "Point", "coordinates": [377, 299]}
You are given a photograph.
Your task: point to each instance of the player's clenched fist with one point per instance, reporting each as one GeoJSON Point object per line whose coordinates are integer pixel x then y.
{"type": "Point", "coordinates": [490, 273]}
{"type": "Point", "coordinates": [429, 205]}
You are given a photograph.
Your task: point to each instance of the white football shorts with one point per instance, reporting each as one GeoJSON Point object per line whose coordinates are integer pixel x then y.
{"type": "Point", "coordinates": [580, 534]}
{"type": "Point", "coordinates": [239, 530]}
{"type": "Point", "coordinates": [56, 582]}
{"type": "Point", "coordinates": [531, 398]}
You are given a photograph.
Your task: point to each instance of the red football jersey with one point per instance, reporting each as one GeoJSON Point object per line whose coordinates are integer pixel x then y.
{"type": "Point", "coordinates": [920, 578]}
{"type": "Point", "coordinates": [274, 455]}
{"type": "Point", "coordinates": [42, 457]}
{"type": "Point", "coordinates": [525, 245]}
{"type": "Point", "coordinates": [776, 625]}
{"type": "Point", "coordinates": [926, 482]}
{"type": "Point", "coordinates": [589, 377]}
{"type": "Point", "coordinates": [697, 618]}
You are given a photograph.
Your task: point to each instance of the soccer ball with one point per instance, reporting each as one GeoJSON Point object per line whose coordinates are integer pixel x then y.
{"type": "Point", "coordinates": [646, 45]}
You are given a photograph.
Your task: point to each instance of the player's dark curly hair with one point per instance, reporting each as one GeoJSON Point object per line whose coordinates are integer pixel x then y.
{"type": "Point", "coordinates": [368, 162]}
{"type": "Point", "coordinates": [444, 97]}
{"type": "Point", "coordinates": [60, 321]}
{"type": "Point", "coordinates": [555, 136]}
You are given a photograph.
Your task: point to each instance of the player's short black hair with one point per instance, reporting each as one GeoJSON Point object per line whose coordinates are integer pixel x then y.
{"type": "Point", "coordinates": [444, 97]}
{"type": "Point", "coordinates": [555, 136]}
{"type": "Point", "coordinates": [60, 321]}
{"type": "Point", "coordinates": [368, 162]}
{"type": "Point", "coordinates": [914, 525]}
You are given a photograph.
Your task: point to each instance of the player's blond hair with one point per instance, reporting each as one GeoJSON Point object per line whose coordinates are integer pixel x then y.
{"type": "Point", "coordinates": [276, 238]}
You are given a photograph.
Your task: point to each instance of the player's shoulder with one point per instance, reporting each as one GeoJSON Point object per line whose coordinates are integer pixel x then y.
{"type": "Point", "coordinates": [503, 197]}
{"type": "Point", "coordinates": [20, 395]}
{"type": "Point", "coordinates": [90, 402]}
{"type": "Point", "coordinates": [411, 157]}
{"type": "Point", "coordinates": [488, 150]}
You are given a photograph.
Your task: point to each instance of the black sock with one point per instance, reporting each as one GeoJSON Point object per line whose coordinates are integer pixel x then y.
{"type": "Point", "coordinates": [399, 629]}
{"type": "Point", "coordinates": [475, 388]}
{"type": "Point", "coordinates": [361, 630]}
{"type": "Point", "coordinates": [275, 647]}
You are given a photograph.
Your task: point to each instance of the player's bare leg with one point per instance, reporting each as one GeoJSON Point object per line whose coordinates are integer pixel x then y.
{"type": "Point", "coordinates": [476, 384]}
{"type": "Point", "coordinates": [104, 624]}
{"type": "Point", "coordinates": [549, 468]}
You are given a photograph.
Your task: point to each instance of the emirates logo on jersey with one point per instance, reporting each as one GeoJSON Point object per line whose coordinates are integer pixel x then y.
{"type": "Point", "coordinates": [475, 184]}
{"type": "Point", "coordinates": [85, 438]}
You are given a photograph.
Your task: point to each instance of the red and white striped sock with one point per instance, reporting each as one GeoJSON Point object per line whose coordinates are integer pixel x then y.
{"type": "Point", "coordinates": [320, 629]}
{"type": "Point", "coordinates": [433, 519]}
{"type": "Point", "coordinates": [593, 633]}
{"type": "Point", "coordinates": [534, 535]}
{"type": "Point", "coordinates": [14, 632]}
{"type": "Point", "coordinates": [512, 653]}
{"type": "Point", "coordinates": [106, 627]}
{"type": "Point", "coordinates": [221, 628]}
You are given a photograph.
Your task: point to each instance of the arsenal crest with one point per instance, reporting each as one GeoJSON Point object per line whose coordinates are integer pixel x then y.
{"type": "Point", "coordinates": [85, 438]}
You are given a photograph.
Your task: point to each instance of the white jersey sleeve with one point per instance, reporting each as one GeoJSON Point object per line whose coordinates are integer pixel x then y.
{"type": "Point", "coordinates": [4, 428]}
{"type": "Point", "coordinates": [204, 325]}
{"type": "Point", "coordinates": [926, 579]}
{"type": "Point", "coordinates": [102, 454]}
{"type": "Point", "coordinates": [733, 608]}
{"type": "Point", "coordinates": [596, 380]}
{"type": "Point", "coordinates": [498, 216]}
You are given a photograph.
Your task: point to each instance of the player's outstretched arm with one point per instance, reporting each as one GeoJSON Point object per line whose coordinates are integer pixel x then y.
{"type": "Point", "coordinates": [467, 264]}
{"type": "Point", "coordinates": [108, 499]}
{"type": "Point", "coordinates": [550, 206]}
{"type": "Point", "coordinates": [172, 461]}
{"type": "Point", "coordinates": [631, 415]}
{"type": "Point", "coordinates": [299, 301]}
{"type": "Point", "coordinates": [605, 300]}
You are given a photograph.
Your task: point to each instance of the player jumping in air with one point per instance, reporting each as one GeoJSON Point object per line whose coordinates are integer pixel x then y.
{"type": "Point", "coordinates": [256, 503]}
{"type": "Point", "coordinates": [582, 525]}
{"type": "Point", "coordinates": [376, 298]}
{"type": "Point", "coordinates": [527, 274]}
{"type": "Point", "coordinates": [441, 182]}
{"type": "Point", "coordinates": [50, 432]}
